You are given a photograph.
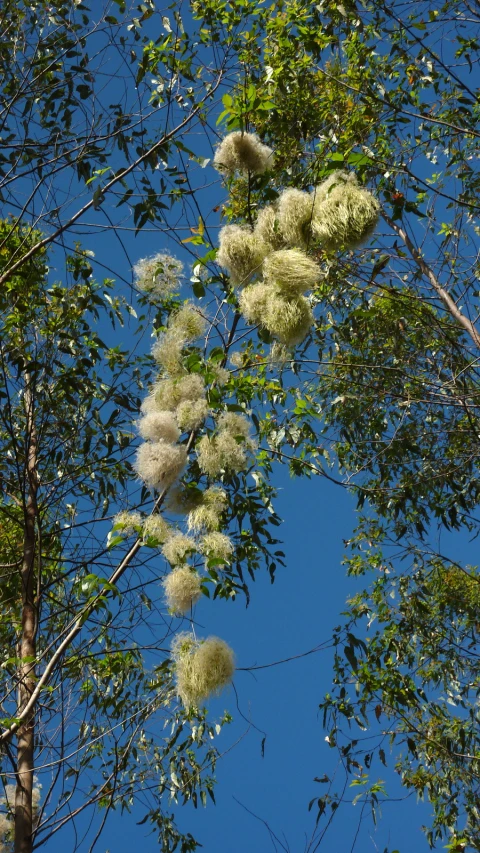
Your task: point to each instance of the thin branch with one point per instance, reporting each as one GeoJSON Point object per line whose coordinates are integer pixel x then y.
{"type": "Point", "coordinates": [447, 300]}
{"type": "Point", "coordinates": [115, 180]}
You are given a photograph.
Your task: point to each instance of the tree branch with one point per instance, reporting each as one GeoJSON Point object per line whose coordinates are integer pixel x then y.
{"type": "Point", "coordinates": [108, 186]}
{"type": "Point", "coordinates": [447, 300]}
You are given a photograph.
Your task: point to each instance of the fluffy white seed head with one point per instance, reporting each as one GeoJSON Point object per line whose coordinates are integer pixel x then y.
{"type": "Point", "coordinates": [159, 426]}
{"type": "Point", "coordinates": [182, 644]}
{"type": "Point", "coordinates": [158, 275]}
{"type": "Point", "coordinates": [187, 323]}
{"type": "Point", "coordinates": [202, 668]}
{"type": "Point", "coordinates": [234, 452]}
{"type": "Point", "coordinates": [267, 227]}
{"type": "Point", "coordinates": [222, 452]}
{"type": "Point", "coordinates": [279, 354]}
{"type": "Point", "coordinates": [334, 180]}
{"type": "Point", "coordinates": [192, 413]}
{"type": "Point", "coordinates": [202, 518]}
{"type": "Point", "coordinates": [150, 405]}
{"type": "Point", "coordinates": [345, 215]}
{"type": "Point", "coordinates": [289, 320]}
{"type": "Point", "coordinates": [184, 325]}
{"type": "Point", "coordinates": [216, 498]}
{"type": "Point", "coordinates": [295, 211]}
{"type": "Point", "coordinates": [167, 352]}
{"type": "Point", "coordinates": [191, 388]}
{"type": "Point", "coordinates": [178, 548]}
{"type": "Point", "coordinates": [155, 527]}
{"type": "Point", "coordinates": [254, 300]}
{"type": "Point", "coordinates": [229, 449]}
{"type": "Point", "coordinates": [36, 797]}
{"type": "Point", "coordinates": [159, 464]}
{"type": "Point", "coordinates": [221, 375]}
{"type": "Point", "coordinates": [182, 589]}
{"type": "Point", "coordinates": [208, 457]}
{"type": "Point", "coordinates": [241, 253]}
{"type": "Point", "coordinates": [127, 522]}
{"type": "Point", "coordinates": [207, 516]}
{"type": "Point", "coordinates": [237, 358]}
{"type": "Point", "coordinates": [7, 821]}
{"type": "Point", "coordinates": [167, 394]}
{"type": "Point", "coordinates": [242, 152]}
{"type": "Point", "coordinates": [234, 423]}
{"type": "Point", "coordinates": [292, 271]}
{"type": "Point", "coordinates": [217, 546]}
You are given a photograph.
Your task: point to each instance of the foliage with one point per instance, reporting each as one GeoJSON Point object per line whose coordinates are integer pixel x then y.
{"type": "Point", "coordinates": [376, 387]}
{"type": "Point", "coordinates": [411, 650]}
{"type": "Point", "coordinates": [384, 398]}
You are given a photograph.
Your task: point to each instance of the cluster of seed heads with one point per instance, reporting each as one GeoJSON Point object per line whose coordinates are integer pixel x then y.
{"type": "Point", "coordinates": [270, 262]}
{"type": "Point", "coordinates": [176, 403]}
{"type": "Point", "coordinates": [271, 267]}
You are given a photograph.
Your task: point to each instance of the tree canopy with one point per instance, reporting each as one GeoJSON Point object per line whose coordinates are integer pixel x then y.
{"type": "Point", "coordinates": [330, 326]}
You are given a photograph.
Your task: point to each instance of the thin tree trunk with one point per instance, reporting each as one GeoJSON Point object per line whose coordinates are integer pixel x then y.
{"type": "Point", "coordinates": [26, 671]}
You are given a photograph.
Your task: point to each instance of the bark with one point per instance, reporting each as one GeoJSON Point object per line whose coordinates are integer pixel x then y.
{"type": "Point", "coordinates": [27, 645]}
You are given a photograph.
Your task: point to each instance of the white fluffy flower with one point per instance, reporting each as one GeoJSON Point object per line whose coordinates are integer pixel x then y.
{"type": "Point", "coordinates": [206, 516]}
{"type": "Point", "coordinates": [159, 464]}
{"type": "Point", "coordinates": [243, 152]}
{"type": "Point", "coordinates": [187, 323]}
{"type": "Point", "coordinates": [267, 227]}
{"type": "Point", "coordinates": [287, 319]}
{"type": "Point", "coordinates": [158, 275]}
{"type": "Point", "coordinates": [178, 547]}
{"type": "Point", "coordinates": [217, 546]}
{"type": "Point", "coordinates": [345, 214]}
{"type": "Point", "coordinates": [292, 271]}
{"type": "Point", "coordinates": [155, 527]}
{"type": "Point", "coordinates": [167, 394]}
{"type": "Point", "coordinates": [234, 423]}
{"type": "Point", "coordinates": [159, 426]}
{"type": "Point", "coordinates": [295, 211]}
{"type": "Point", "coordinates": [192, 413]}
{"type": "Point", "coordinates": [222, 452]}
{"type": "Point", "coordinates": [182, 589]}
{"type": "Point", "coordinates": [203, 667]}
{"type": "Point", "coordinates": [241, 253]}
{"type": "Point", "coordinates": [167, 352]}
{"type": "Point", "coordinates": [127, 522]}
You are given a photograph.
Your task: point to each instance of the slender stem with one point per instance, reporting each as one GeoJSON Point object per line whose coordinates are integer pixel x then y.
{"type": "Point", "coordinates": [27, 651]}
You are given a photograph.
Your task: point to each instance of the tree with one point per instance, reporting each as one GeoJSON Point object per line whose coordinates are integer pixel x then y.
{"type": "Point", "coordinates": [66, 433]}
{"type": "Point", "coordinates": [395, 380]}
{"type": "Point", "coordinates": [371, 381]}
{"type": "Point", "coordinates": [82, 673]}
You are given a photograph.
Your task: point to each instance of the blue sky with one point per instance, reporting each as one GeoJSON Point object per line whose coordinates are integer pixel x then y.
{"type": "Point", "coordinates": [294, 615]}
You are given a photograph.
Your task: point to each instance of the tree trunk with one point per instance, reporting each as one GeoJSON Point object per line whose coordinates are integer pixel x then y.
{"type": "Point", "coordinates": [26, 670]}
